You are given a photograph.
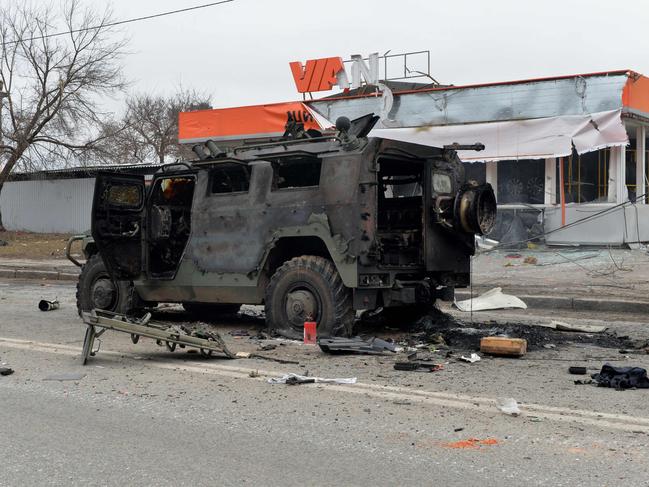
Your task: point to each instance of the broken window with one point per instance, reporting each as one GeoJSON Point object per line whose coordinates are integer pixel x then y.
{"type": "Point", "coordinates": [585, 177]}
{"type": "Point", "coordinates": [521, 181]}
{"type": "Point", "coordinates": [125, 195]}
{"type": "Point", "coordinates": [229, 178]}
{"type": "Point", "coordinates": [296, 172]}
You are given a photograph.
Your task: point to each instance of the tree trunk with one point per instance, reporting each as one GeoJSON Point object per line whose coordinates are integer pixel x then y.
{"type": "Point", "coordinates": [4, 175]}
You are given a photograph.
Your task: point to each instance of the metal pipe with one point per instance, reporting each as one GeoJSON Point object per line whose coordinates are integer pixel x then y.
{"type": "Point", "coordinates": [45, 305]}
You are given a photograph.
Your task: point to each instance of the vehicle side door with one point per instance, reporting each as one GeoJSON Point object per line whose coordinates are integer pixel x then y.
{"type": "Point", "coordinates": [117, 221]}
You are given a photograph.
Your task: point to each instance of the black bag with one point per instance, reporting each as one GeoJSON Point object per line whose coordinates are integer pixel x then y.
{"type": "Point", "coordinates": [622, 377]}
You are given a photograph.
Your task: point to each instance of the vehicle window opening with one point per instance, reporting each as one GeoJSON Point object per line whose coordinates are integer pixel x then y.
{"type": "Point", "coordinates": [229, 178]}
{"type": "Point", "coordinates": [125, 195]}
{"type": "Point", "coordinates": [400, 210]}
{"type": "Point", "coordinates": [296, 172]}
{"type": "Point", "coordinates": [169, 223]}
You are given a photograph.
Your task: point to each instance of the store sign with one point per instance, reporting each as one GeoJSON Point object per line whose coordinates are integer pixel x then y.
{"type": "Point", "coordinates": [325, 73]}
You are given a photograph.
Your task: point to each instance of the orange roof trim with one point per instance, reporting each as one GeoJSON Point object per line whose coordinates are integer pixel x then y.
{"type": "Point", "coordinates": [636, 93]}
{"type": "Point", "coordinates": [242, 122]}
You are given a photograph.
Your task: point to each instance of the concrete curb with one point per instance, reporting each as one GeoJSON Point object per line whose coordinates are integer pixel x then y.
{"type": "Point", "coordinates": [37, 274]}
{"type": "Point", "coordinates": [575, 303]}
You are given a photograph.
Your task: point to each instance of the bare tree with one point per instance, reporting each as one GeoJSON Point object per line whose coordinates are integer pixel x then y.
{"type": "Point", "coordinates": [53, 81]}
{"type": "Point", "coordinates": [148, 131]}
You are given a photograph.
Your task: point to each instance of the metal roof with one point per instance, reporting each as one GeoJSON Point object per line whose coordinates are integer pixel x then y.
{"type": "Point", "coordinates": [83, 172]}
{"type": "Point", "coordinates": [491, 102]}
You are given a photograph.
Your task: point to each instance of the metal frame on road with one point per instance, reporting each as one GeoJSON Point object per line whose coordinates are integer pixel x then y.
{"type": "Point", "coordinates": [207, 342]}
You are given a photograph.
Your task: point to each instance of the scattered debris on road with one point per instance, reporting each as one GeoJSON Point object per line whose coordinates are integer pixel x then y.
{"type": "Point", "coordinates": [342, 345]}
{"type": "Point", "coordinates": [563, 326]}
{"type": "Point", "coordinates": [6, 371]}
{"type": "Point", "coordinates": [509, 347]}
{"type": "Point", "coordinates": [508, 406]}
{"type": "Point", "coordinates": [418, 366]}
{"type": "Point", "coordinates": [465, 336]}
{"type": "Point", "coordinates": [45, 305]}
{"type": "Point", "coordinates": [492, 299]}
{"type": "Point", "coordinates": [622, 377]}
{"type": "Point", "coordinates": [474, 357]}
{"type": "Point", "coordinates": [302, 379]}
{"type": "Point", "coordinates": [577, 370]}
{"type": "Point", "coordinates": [264, 357]}
{"type": "Point", "coordinates": [239, 333]}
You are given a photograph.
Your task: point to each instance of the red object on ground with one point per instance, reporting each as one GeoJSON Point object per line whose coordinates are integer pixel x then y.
{"type": "Point", "coordinates": [471, 443]}
{"type": "Point", "coordinates": [310, 333]}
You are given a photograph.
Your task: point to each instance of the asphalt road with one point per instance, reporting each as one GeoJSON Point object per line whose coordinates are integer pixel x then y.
{"type": "Point", "coordinates": [143, 416]}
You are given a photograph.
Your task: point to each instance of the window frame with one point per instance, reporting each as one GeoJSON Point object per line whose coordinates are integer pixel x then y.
{"type": "Point", "coordinates": [273, 164]}
{"type": "Point", "coordinates": [210, 179]}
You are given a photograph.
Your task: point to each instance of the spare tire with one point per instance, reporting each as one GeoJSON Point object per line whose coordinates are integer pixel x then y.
{"type": "Point", "coordinates": [475, 209]}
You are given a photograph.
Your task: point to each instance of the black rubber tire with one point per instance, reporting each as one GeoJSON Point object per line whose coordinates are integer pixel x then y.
{"type": "Point", "coordinates": [208, 311]}
{"type": "Point", "coordinates": [336, 314]}
{"type": "Point", "coordinates": [126, 301]}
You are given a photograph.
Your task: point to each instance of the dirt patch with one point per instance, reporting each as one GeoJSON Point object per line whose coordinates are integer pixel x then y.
{"type": "Point", "coordinates": [28, 245]}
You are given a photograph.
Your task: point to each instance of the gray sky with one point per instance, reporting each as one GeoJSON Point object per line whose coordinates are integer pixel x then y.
{"type": "Point", "coordinates": [239, 52]}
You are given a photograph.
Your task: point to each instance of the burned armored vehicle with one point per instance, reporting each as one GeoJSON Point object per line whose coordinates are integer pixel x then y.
{"type": "Point", "coordinates": [313, 228]}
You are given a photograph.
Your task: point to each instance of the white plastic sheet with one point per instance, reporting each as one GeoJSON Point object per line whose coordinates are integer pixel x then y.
{"type": "Point", "coordinates": [522, 139]}
{"type": "Point", "coordinates": [492, 299]}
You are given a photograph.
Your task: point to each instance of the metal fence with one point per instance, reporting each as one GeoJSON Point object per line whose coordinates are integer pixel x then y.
{"type": "Point", "coordinates": [47, 206]}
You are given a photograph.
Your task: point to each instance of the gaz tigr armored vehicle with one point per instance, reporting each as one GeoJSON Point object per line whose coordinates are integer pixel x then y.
{"type": "Point", "coordinates": [314, 228]}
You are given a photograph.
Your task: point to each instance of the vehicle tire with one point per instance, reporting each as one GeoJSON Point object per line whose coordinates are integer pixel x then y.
{"type": "Point", "coordinates": [96, 289]}
{"type": "Point", "coordinates": [210, 310]}
{"type": "Point", "coordinates": [308, 287]}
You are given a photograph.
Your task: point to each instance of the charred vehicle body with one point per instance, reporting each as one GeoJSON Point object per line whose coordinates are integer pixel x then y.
{"type": "Point", "coordinates": [313, 228]}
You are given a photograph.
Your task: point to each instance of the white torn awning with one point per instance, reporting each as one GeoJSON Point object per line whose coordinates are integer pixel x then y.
{"type": "Point", "coordinates": [539, 138]}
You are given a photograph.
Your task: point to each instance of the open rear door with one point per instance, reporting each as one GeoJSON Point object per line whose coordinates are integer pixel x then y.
{"type": "Point", "coordinates": [117, 220]}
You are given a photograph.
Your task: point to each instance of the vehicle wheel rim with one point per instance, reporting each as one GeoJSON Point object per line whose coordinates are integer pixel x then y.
{"type": "Point", "coordinates": [302, 304]}
{"type": "Point", "coordinates": [103, 293]}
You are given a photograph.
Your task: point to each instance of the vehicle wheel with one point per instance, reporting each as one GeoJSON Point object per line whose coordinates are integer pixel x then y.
{"type": "Point", "coordinates": [96, 289]}
{"type": "Point", "coordinates": [308, 288]}
{"type": "Point", "coordinates": [210, 310]}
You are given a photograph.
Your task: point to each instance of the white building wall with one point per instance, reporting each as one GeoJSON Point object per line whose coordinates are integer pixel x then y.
{"type": "Point", "coordinates": [624, 224]}
{"type": "Point", "coordinates": [48, 206]}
